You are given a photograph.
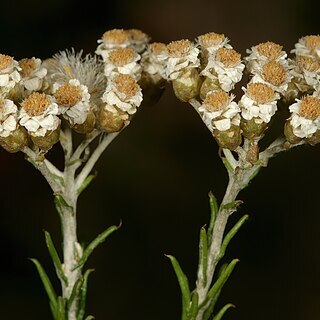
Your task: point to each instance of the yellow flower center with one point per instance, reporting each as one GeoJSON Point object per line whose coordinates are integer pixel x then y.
{"type": "Point", "coordinates": [35, 104]}
{"type": "Point", "coordinates": [27, 66]}
{"type": "Point", "coordinates": [228, 57]}
{"type": "Point", "coordinates": [274, 73]}
{"type": "Point", "coordinates": [312, 42]}
{"type": "Point", "coordinates": [269, 49]}
{"type": "Point", "coordinates": [68, 95]}
{"type": "Point", "coordinates": [216, 101]}
{"type": "Point", "coordinates": [121, 56]}
{"type": "Point", "coordinates": [308, 63]}
{"type": "Point", "coordinates": [260, 92]}
{"type": "Point", "coordinates": [115, 36]}
{"type": "Point", "coordinates": [5, 61]}
{"type": "Point", "coordinates": [157, 48]}
{"type": "Point", "coordinates": [126, 84]}
{"type": "Point", "coordinates": [210, 39]}
{"type": "Point", "coordinates": [179, 49]}
{"type": "Point", "coordinates": [310, 108]}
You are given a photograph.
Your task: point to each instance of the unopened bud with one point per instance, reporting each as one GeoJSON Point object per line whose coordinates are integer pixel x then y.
{"type": "Point", "coordinates": [253, 152]}
{"type": "Point", "coordinates": [314, 139]}
{"type": "Point", "coordinates": [228, 139]}
{"type": "Point", "coordinates": [111, 119]}
{"type": "Point", "coordinates": [207, 86]}
{"type": "Point", "coordinates": [290, 136]}
{"type": "Point", "coordinates": [251, 129]}
{"type": "Point", "coordinates": [16, 141]}
{"type": "Point", "coordinates": [46, 142]}
{"type": "Point", "coordinates": [88, 125]}
{"type": "Point", "coordinates": [187, 85]}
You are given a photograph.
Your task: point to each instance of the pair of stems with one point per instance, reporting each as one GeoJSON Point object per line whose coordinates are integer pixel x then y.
{"type": "Point", "coordinates": [67, 185]}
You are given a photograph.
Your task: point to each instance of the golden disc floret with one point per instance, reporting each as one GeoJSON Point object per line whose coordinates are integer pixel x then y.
{"type": "Point", "coordinates": [115, 36]}
{"type": "Point", "coordinates": [5, 61]}
{"type": "Point", "coordinates": [274, 73]}
{"type": "Point", "coordinates": [68, 95]}
{"type": "Point", "coordinates": [310, 108]}
{"type": "Point", "coordinates": [308, 63]}
{"type": "Point", "coordinates": [216, 101]}
{"type": "Point", "coordinates": [179, 49]}
{"type": "Point", "coordinates": [27, 66]}
{"type": "Point", "coordinates": [228, 57]}
{"type": "Point", "coordinates": [126, 84]}
{"type": "Point", "coordinates": [260, 92]}
{"type": "Point", "coordinates": [269, 49]}
{"type": "Point", "coordinates": [121, 56]}
{"type": "Point", "coordinates": [35, 104]}
{"type": "Point", "coordinates": [210, 39]}
{"type": "Point", "coordinates": [312, 42]}
{"type": "Point", "coordinates": [157, 48]}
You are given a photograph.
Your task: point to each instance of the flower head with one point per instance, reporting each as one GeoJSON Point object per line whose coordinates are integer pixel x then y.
{"type": "Point", "coordinates": [8, 117]}
{"type": "Point", "coordinates": [9, 74]}
{"type": "Point", "coordinates": [138, 39]}
{"type": "Point", "coordinates": [308, 46]}
{"type": "Point", "coordinates": [212, 41]}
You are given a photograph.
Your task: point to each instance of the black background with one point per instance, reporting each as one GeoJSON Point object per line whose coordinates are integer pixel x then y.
{"type": "Point", "coordinates": [156, 175]}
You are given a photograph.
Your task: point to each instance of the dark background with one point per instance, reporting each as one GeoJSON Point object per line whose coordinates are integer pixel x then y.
{"type": "Point", "coordinates": [156, 175]}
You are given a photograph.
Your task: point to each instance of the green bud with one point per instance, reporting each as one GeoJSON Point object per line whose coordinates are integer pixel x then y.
{"type": "Point", "coordinates": [290, 136]}
{"type": "Point", "coordinates": [16, 141]}
{"type": "Point", "coordinates": [207, 86]}
{"type": "Point", "coordinates": [314, 139]}
{"type": "Point", "coordinates": [110, 121]}
{"type": "Point", "coordinates": [46, 142]}
{"type": "Point", "coordinates": [229, 139]}
{"type": "Point", "coordinates": [251, 129]}
{"type": "Point", "coordinates": [88, 125]}
{"type": "Point", "coordinates": [187, 85]}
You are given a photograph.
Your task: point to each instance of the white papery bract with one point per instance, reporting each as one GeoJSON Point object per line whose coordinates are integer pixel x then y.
{"type": "Point", "coordinates": [32, 74]}
{"type": "Point", "coordinates": [8, 117]}
{"type": "Point", "coordinates": [9, 73]}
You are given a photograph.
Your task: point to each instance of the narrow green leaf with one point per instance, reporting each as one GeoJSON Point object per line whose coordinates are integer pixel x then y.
{"type": "Point", "coordinates": [86, 183]}
{"type": "Point", "coordinates": [230, 235]}
{"type": "Point", "coordinates": [98, 240]}
{"type": "Point", "coordinates": [214, 211]}
{"type": "Point", "coordinates": [61, 309]}
{"type": "Point", "coordinates": [232, 205]}
{"type": "Point", "coordinates": [53, 311]}
{"type": "Point", "coordinates": [47, 284]}
{"type": "Point", "coordinates": [193, 310]}
{"type": "Point", "coordinates": [75, 291]}
{"type": "Point", "coordinates": [89, 318]}
{"type": "Point", "coordinates": [223, 310]}
{"type": "Point", "coordinates": [83, 295]}
{"type": "Point", "coordinates": [55, 257]}
{"type": "Point", "coordinates": [227, 164]}
{"type": "Point", "coordinates": [184, 285]}
{"type": "Point", "coordinates": [203, 257]}
{"type": "Point", "coordinates": [222, 279]}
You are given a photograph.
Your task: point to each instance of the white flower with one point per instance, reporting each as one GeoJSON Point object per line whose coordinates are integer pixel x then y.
{"type": "Point", "coordinates": [8, 117]}
{"type": "Point", "coordinates": [305, 118]}
{"type": "Point", "coordinates": [124, 61]}
{"type": "Point", "coordinates": [218, 111]}
{"type": "Point", "coordinates": [73, 99]}
{"type": "Point", "coordinates": [308, 46]}
{"type": "Point", "coordinates": [39, 114]}
{"type": "Point", "coordinates": [182, 54]}
{"type": "Point", "coordinates": [225, 65]}
{"type": "Point", "coordinates": [212, 41]}
{"type": "Point", "coordinates": [9, 73]}
{"type": "Point", "coordinates": [124, 93]}
{"type": "Point", "coordinates": [33, 73]}
{"type": "Point", "coordinates": [262, 53]}
{"type": "Point", "coordinates": [138, 40]}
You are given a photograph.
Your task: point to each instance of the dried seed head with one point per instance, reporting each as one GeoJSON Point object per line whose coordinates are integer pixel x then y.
{"type": "Point", "coordinates": [27, 66]}
{"type": "Point", "coordinates": [35, 104]}
{"type": "Point", "coordinates": [179, 49]}
{"type": "Point", "coordinates": [260, 92]}
{"type": "Point", "coordinates": [308, 63]}
{"type": "Point", "coordinates": [121, 56]}
{"type": "Point", "coordinates": [228, 57]}
{"type": "Point", "coordinates": [310, 108]}
{"type": "Point", "coordinates": [269, 49]}
{"type": "Point", "coordinates": [216, 101]}
{"type": "Point", "coordinates": [210, 39]}
{"type": "Point", "coordinates": [68, 95]}
{"type": "Point", "coordinates": [274, 73]}
{"type": "Point", "coordinates": [126, 84]}
{"type": "Point", "coordinates": [5, 61]}
{"type": "Point", "coordinates": [157, 48]}
{"type": "Point", "coordinates": [312, 42]}
{"type": "Point", "coordinates": [115, 36]}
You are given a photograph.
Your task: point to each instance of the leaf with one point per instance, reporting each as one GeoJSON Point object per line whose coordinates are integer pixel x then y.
{"type": "Point", "coordinates": [230, 235]}
{"type": "Point", "coordinates": [184, 285]}
{"type": "Point", "coordinates": [75, 291]}
{"type": "Point", "coordinates": [227, 164]}
{"type": "Point", "coordinates": [98, 240]}
{"type": "Point", "coordinates": [47, 285]}
{"type": "Point", "coordinates": [232, 205]}
{"type": "Point", "coordinates": [214, 211]}
{"type": "Point", "coordinates": [83, 295]}
{"type": "Point", "coordinates": [223, 310]}
{"type": "Point", "coordinates": [61, 309]}
{"type": "Point", "coordinates": [203, 257]}
{"type": "Point", "coordinates": [193, 310]}
{"type": "Point", "coordinates": [55, 257]}
{"type": "Point", "coordinates": [86, 183]}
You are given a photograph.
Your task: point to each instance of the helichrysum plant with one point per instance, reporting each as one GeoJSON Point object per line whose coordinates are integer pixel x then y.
{"type": "Point", "coordinates": [82, 102]}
